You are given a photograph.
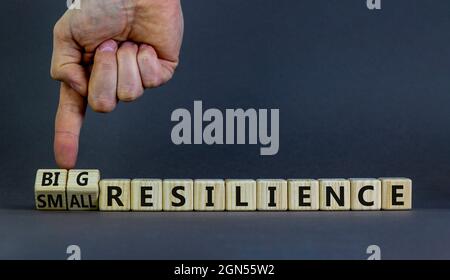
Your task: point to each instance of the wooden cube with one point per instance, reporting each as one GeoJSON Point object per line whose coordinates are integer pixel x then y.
{"type": "Point", "coordinates": [178, 195]}
{"type": "Point", "coordinates": [365, 194]}
{"type": "Point", "coordinates": [50, 189]}
{"type": "Point", "coordinates": [209, 195]}
{"type": "Point", "coordinates": [303, 194]}
{"type": "Point", "coordinates": [240, 195]}
{"type": "Point", "coordinates": [334, 194]}
{"type": "Point", "coordinates": [396, 193]}
{"type": "Point", "coordinates": [82, 189]}
{"type": "Point", "coordinates": [114, 195]}
{"type": "Point", "coordinates": [271, 195]}
{"type": "Point", "coordinates": [146, 195]}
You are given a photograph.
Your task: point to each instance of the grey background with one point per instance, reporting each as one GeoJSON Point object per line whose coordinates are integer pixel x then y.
{"type": "Point", "coordinates": [361, 94]}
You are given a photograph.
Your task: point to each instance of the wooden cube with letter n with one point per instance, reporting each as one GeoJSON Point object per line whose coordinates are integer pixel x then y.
{"type": "Point", "coordinates": [82, 189]}
{"type": "Point", "coordinates": [366, 194]}
{"type": "Point", "coordinates": [114, 195]}
{"type": "Point", "coordinates": [146, 195]}
{"type": "Point", "coordinates": [396, 193]}
{"type": "Point", "coordinates": [240, 195]}
{"type": "Point", "coordinates": [271, 194]}
{"type": "Point", "coordinates": [334, 194]}
{"type": "Point", "coordinates": [50, 189]}
{"type": "Point", "coordinates": [303, 194]}
{"type": "Point", "coordinates": [178, 195]}
{"type": "Point", "coordinates": [209, 195]}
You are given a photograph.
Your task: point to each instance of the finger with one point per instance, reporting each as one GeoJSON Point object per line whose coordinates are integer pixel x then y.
{"type": "Point", "coordinates": [66, 60]}
{"type": "Point", "coordinates": [103, 81]}
{"type": "Point", "coordinates": [68, 122]}
{"type": "Point", "coordinates": [129, 84]}
{"type": "Point", "coordinates": [154, 71]}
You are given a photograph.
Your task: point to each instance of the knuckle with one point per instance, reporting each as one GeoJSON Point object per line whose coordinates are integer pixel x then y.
{"type": "Point", "coordinates": [101, 105]}
{"type": "Point", "coordinates": [128, 94]}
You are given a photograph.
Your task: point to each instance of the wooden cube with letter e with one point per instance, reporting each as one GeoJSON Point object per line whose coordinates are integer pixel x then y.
{"type": "Point", "coordinates": [146, 195]}
{"type": "Point", "coordinates": [397, 193]}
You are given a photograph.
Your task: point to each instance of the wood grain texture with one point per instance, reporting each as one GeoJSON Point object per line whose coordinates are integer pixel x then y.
{"type": "Point", "coordinates": [209, 195]}
{"type": "Point", "coordinates": [303, 194]}
{"type": "Point", "coordinates": [115, 195]}
{"type": "Point", "coordinates": [83, 189]}
{"type": "Point", "coordinates": [50, 189]}
{"type": "Point", "coordinates": [178, 195]}
{"type": "Point", "coordinates": [334, 194]}
{"type": "Point", "coordinates": [240, 195]}
{"type": "Point", "coordinates": [365, 194]}
{"type": "Point", "coordinates": [272, 195]}
{"type": "Point", "coordinates": [396, 193]}
{"type": "Point", "coordinates": [146, 195]}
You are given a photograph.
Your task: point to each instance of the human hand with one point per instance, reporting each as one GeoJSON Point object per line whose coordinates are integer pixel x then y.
{"type": "Point", "coordinates": [95, 68]}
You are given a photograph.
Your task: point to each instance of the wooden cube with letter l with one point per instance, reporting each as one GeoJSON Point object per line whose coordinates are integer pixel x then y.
{"type": "Point", "coordinates": [396, 193]}
{"type": "Point", "coordinates": [178, 195]}
{"type": "Point", "coordinates": [240, 195]}
{"type": "Point", "coordinates": [114, 195]}
{"type": "Point", "coordinates": [334, 194]}
{"type": "Point", "coordinates": [50, 189]}
{"type": "Point", "coordinates": [82, 189]}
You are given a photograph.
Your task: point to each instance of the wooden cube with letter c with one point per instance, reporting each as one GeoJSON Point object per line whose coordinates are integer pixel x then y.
{"type": "Point", "coordinates": [50, 189]}
{"type": "Point", "coordinates": [82, 189]}
{"type": "Point", "coordinates": [366, 194]}
{"type": "Point", "coordinates": [114, 195]}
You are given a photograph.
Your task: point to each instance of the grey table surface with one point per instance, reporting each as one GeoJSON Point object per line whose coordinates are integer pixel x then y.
{"type": "Point", "coordinates": [361, 94]}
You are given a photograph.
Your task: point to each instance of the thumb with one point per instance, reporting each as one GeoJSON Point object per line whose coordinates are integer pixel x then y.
{"type": "Point", "coordinates": [69, 119]}
{"type": "Point", "coordinates": [67, 59]}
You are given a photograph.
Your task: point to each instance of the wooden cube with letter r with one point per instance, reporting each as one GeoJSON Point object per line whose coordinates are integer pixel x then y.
{"type": "Point", "coordinates": [115, 195]}
{"type": "Point", "coordinates": [50, 189]}
{"type": "Point", "coordinates": [82, 189]}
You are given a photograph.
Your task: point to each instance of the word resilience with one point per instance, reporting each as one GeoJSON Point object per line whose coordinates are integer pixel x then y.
{"type": "Point", "coordinates": [60, 189]}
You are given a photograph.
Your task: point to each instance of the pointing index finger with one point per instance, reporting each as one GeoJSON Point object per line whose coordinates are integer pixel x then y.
{"type": "Point", "coordinates": [68, 122]}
